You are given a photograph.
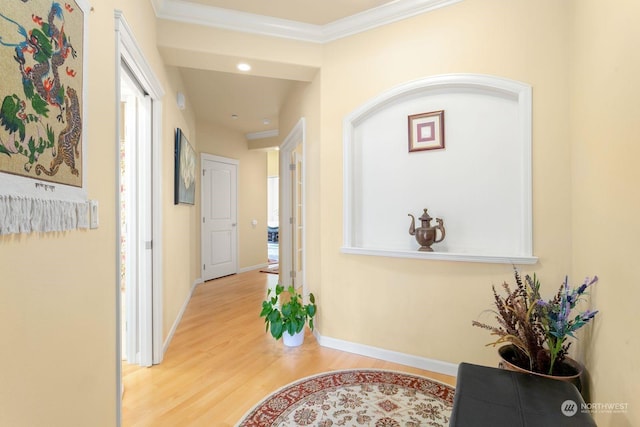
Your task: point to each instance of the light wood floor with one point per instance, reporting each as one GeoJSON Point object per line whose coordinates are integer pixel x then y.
{"type": "Point", "coordinates": [221, 362]}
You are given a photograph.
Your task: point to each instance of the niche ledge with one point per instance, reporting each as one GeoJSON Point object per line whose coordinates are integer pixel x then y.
{"type": "Point", "coordinates": [441, 256]}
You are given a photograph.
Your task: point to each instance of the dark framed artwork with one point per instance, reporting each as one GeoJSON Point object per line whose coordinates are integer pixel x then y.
{"type": "Point", "coordinates": [185, 178]}
{"type": "Point", "coordinates": [426, 131]}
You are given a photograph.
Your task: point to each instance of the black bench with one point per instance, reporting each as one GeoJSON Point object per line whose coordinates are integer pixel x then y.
{"type": "Point", "coordinates": [494, 397]}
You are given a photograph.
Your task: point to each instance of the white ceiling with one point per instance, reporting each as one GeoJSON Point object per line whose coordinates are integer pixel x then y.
{"type": "Point", "coordinates": [215, 96]}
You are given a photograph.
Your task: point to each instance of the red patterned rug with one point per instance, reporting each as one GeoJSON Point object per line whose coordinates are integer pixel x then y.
{"type": "Point", "coordinates": [361, 397]}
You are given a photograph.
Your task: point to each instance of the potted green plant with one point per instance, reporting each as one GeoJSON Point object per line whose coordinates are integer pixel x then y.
{"type": "Point", "coordinates": [286, 319]}
{"type": "Point", "coordinates": [535, 330]}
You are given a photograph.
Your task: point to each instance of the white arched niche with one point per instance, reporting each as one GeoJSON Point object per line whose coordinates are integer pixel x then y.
{"type": "Point", "coordinates": [479, 184]}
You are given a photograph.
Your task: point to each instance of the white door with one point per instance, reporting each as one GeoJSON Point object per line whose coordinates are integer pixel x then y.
{"type": "Point", "coordinates": [297, 216]}
{"type": "Point", "coordinates": [292, 226]}
{"type": "Point", "coordinates": [136, 220]}
{"type": "Point", "coordinates": [219, 216]}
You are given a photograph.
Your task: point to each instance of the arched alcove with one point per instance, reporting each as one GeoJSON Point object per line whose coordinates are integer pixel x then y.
{"type": "Point", "coordinates": [479, 183]}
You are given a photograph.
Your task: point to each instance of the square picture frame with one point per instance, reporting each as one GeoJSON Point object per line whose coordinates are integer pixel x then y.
{"type": "Point", "coordinates": [185, 170]}
{"type": "Point", "coordinates": [426, 131]}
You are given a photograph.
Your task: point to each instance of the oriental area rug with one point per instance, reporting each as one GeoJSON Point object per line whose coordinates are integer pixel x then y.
{"type": "Point", "coordinates": [362, 397]}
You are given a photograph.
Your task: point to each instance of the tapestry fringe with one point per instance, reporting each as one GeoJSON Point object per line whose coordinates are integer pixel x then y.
{"type": "Point", "coordinates": [19, 214]}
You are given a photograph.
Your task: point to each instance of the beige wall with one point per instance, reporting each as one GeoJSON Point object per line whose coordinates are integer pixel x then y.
{"type": "Point", "coordinates": [273, 163]}
{"type": "Point", "coordinates": [584, 127]}
{"type": "Point", "coordinates": [58, 290]}
{"type": "Point", "coordinates": [424, 307]}
{"type": "Point", "coordinates": [181, 224]}
{"type": "Point", "coordinates": [252, 189]}
{"type": "Point", "coordinates": [605, 129]}
{"type": "Point", "coordinates": [304, 102]}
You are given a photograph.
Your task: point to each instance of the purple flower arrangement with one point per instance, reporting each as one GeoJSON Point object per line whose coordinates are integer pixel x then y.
{"type": "Point", "coordinates": [556, 317]}
{"type": "Point", "coordinates": [538, 329]}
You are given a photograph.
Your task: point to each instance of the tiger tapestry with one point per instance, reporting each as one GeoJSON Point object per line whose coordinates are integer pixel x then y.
{"type": "Point", "coordinates": [41, 103]}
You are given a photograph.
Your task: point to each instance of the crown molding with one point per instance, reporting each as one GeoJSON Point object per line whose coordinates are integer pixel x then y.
{"type": "Point", "coordinates": [261, 135]}
{"type": "Point", "coordinates": [193, 13]}
{"type": "Point", "coordinates": [380, 16]}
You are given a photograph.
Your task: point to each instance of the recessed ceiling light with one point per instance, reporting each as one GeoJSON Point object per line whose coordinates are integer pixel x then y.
{"type": "Point", "coordinates": [266, 122]}
{"type": "Point", "coordinates": [243, 66]}
{"type": "Point", "coordinates": [234, 116]}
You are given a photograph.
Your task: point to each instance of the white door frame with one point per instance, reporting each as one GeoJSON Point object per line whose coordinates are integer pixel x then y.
{"type": "Point", "coordinates": [128, 51]}
{"type": "Point", "coordinates": [211, 157]}
{"type": "Point", "coordinates": [296, 137]}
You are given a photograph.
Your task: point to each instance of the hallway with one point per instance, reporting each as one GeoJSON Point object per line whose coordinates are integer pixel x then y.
{"type": "Point", "coordinates": [221, 362]}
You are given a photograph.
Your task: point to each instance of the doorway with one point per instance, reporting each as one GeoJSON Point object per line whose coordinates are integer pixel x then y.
{"type": "Point", "coordinates": [134, 77]}
{"type": "Point", "coordinates": [273, 209]}
{"type": "Point", "coordinates": [292, 214]}
{"type": "Point", "coordinates": [135, 220]}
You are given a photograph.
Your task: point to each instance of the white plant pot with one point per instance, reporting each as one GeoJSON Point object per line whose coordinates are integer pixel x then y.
{"type": "Point", "coordinates": [293, 340]}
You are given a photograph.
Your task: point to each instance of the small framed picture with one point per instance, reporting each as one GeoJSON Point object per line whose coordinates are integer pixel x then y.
{"type": "Point", "coordinates": [426, 131]}
{"type": "Point", "coordinates": [185, 175]}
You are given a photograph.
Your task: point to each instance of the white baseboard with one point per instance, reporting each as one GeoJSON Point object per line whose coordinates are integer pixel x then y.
{"type": "Point", "coordinates": [254, 267]}
{"type": "Point", "coordinates": [438, 366]}
{"type": "Point", "coordinates": [167, 341]}
{"type": "Point", "coordinates": [433, 365]}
